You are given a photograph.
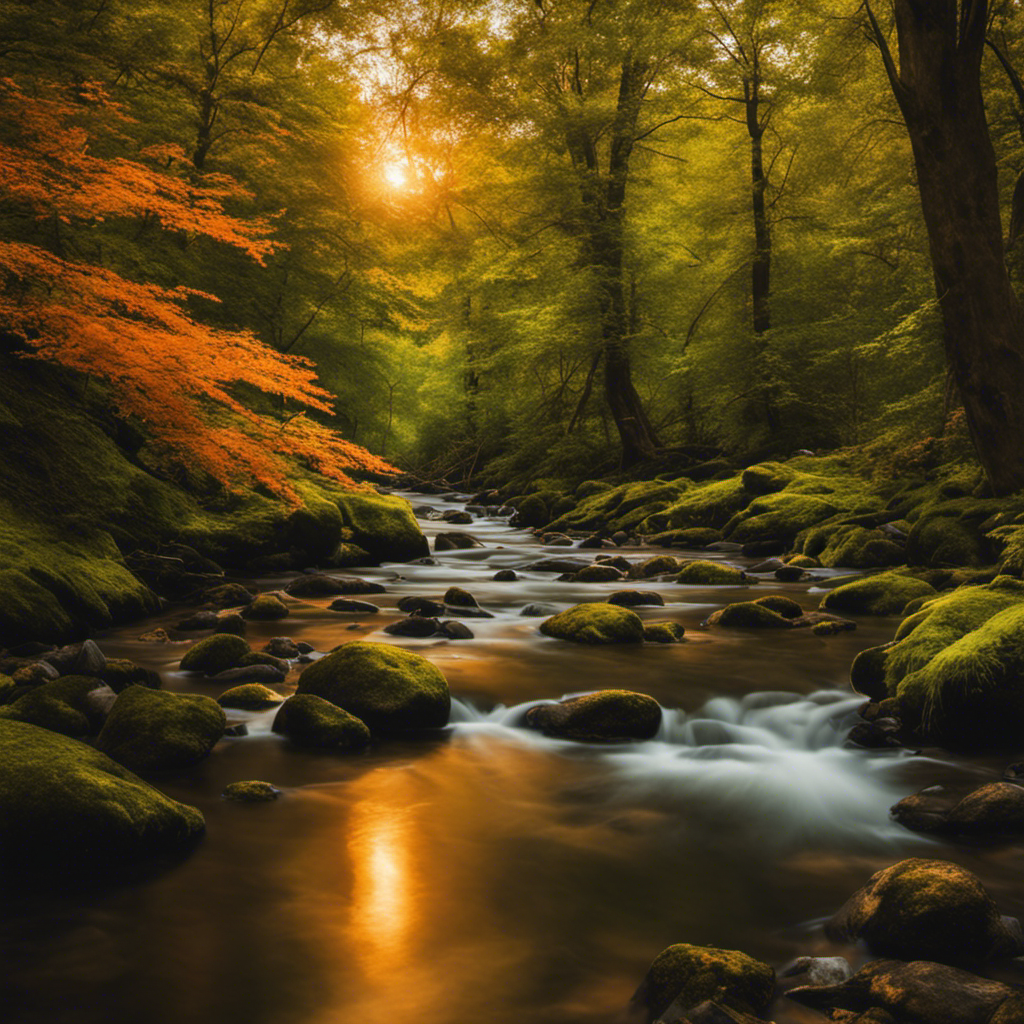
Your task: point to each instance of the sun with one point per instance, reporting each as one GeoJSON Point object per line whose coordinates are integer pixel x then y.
{"type": "Point", "coordinates": [396, 174]}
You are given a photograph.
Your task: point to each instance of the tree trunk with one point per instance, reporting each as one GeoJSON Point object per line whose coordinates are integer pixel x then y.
{"type": "Point", "coordinates": [762, 267]}
{"type": "Point", "coordinates": [938, 87]}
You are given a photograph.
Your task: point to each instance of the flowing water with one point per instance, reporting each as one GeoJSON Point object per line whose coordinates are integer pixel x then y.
{"type": "Point", "coordinates": [492, 875]}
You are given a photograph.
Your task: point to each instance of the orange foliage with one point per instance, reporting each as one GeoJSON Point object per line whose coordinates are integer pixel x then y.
{"type": "Point", "coordinates": [162, 366]}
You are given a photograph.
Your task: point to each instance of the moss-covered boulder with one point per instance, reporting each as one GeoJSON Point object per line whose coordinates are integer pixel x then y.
{"type": "Point", "coordinates": [215, 654]}
{"type": "Point", "coordinates": [748, 615]}
{"type": "Point", "coordinates": [383, 525]}
{"type": "Point", "coordinates": [598, 574]}
{"type": "Point", "coordinates": [636, 598]}
{"type": "Point", "coordinates": [926, 910]}
{"type": "Point", "coordinates": [949, 534]}
{"type": "Point", "coordinates": [711, 574]}
{"type": "Point", "coordinates": [659, 565]}
{"type": "Point", "coordinates": [597, 623]}
{"type": "Point", "coordinates": [605, 715]}
{"type": "Point", "coordinates": [311, 721]}
{"type": "Point", "coordinates": [30, 611]}
{"type": "Point", "coordinates": [266, 608]}
{"type": "Point", "coordinates": [250, 697]}
{"type": "Point", "coordinates": [619, 508]}
{"type": "Point", "coordinates": [154, 730]}
{"type": "Point", "coordinates": [72, 705]}
{"type": "Point", "coordinates": [785, 606]}
{"type": "Point", "coordinates": [767, 477]}
{"type": "Point", "coordinates": [589, 488]}
{"type": "Point", "coordinates": [778, 517]}
{"type": "Point", "coordinates": [314, 531]}
{"type": "Point", "coordinates": [392, 690]}
{"type": "Point", "coordinates": [228, 595]}
{"type": "Point", "coordinates": [684, 976]}
{"type": "Point", "coordinates": [70, 808]}
{"type": "Point", "coordinates": [532, 511]}
{"type": "Point", "coordinates": [252, 791]}
{"type": "Point", "coordinates": [120, 673]}
{"type": "Point", "coordinates": [855, 547]}
{"type": "Point", "coordinates": [888, 593]}
{"type": "Point", "coordinates": [663, 632]}
{"type": "Point", "coordinates": [995, 809]}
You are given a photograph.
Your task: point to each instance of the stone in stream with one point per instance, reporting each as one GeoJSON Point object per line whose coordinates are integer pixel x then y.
{"type": "Point", "coordinates": [505, 576]}
{"type": "Point", "coordinates": [70, 810]}
{"type": "Point", "coordinates": [198, 622]}
{"type": "Point", "coordinates": [457, 517]}
{"type": "Point", "coordinates": [994, 809]}
{"type": "Point", "coordinates": [927, 910]}
{"type": "Point", "coordinates": [228, 595]}
{"type": "Point", "coordinates": [596, 541]}
{"type": "Point", "coordinates": [392, 690]}
{"type": "Point", "coordinates": [455, 630]}
{"type": "Point", "coordinates": [597, 574]}
{"type": "Point", "coordinates": [74, 706]}
{"type": "Point", "coordinates": [251, 792]}
{"type": "Point", "coordinates": [416, 626]}
{"type": "Point", "coordinates": [597, 623]}
{"type": "Point", "coordinates": [537, 609]}
{"type": "Point", "coordinates": [816, 970]}
{"type": "Point", "coordinates": [557, 540]}
{"type": "Point", "coordinates": [250, 697]}
{"type": "Point", "coordinates": [36, 674]}
{"type": "Point", "coordinates": [231, 622]}
{"type": "Point", "coordinates": [455, 541]}
{"type": "Point", "coordinates": [659, 565]}
{"type": "Point", "coordinates": [636, 598]}
{"type": "Point", "coordinates": [253, 673]}
{"type": "Point", "coordinates": [789, 573]}
{"type": "Point", "coordinates": [559, 565]}
{"type": "Point", "coordinates": [916, 993]}
{"type": "Point", "coordinates": [767, 566]}
{"type": "Point", "coordinates": [154, 730]}
{"type": "Point", "coordinates": [877, 734]}
{"type": "Point", "coordinates": [346, 604]}
{"type": "Point", "coordinates": [120, 673]}
{"type": "Point", "coordinates": [663, 632]}
{"type": "Point", "coordinates": [282, 647]}
{"type": "Point", "coordinates": [425, 606]}
{"type": "Point", "coordinates": [266, 608]}
{"type": "Point", "coordinates": [156, 636]}
{"type": "Point", "coordinates": [684, 976]}
{"type": "Point", "coordinates": [311, 721]}
{"type": "Point", "coordinates": [703, 573]}
{"type": "Point", "coordinates": [319, 585]}
{"type": "Point", "coordinates": [602, 716]}
{"type": "Point", "coordinates": [84, 659]}
{"type": "Point", "coordinates": [456, 597]}
{"type": "Point", "coordinates": [214, 654]}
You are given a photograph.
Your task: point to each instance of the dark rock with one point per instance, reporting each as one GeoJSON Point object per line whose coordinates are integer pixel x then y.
{"type": "Point", "coordinates": [305, 648]}
{"type": "Point", "coordinates": [198, 622]}
{"type": "Point", "coordinates": [598, 574]}
{"type": "Point", "coordinates": [457, 517]}
{"type": "Point", "coordinates": [84, 659]}
{"type": "Point", "coordinates": [537, 609]}
{"type": "Point", "coordinates": [789, 573]}
{"type": "Point", "coordinates": [251, 792]}
{"type": "Point", "coordinates": [1014, 772]}
{"type": "Point", "coordinates": [249, 697]}
{"type": "Point", "coordinates": [120, 673]}
{"type": "Point", "coordinates": [505, 576]}
{"type": "Point", "coordinates": [769, 566]}
{"type": "Point", "coordinates": [636, 598]}
{"type": "Point", "coordinates": [282, 647]}
{"type": "Point", "coordinates": [266, 608]}
{"type": "Point", "coordinates": [763, 548]}
{"type": "Point", "coordinates": [455, 630]}
{"type": "Point", "coordinates": [416, 626]}
{"type": "Point", "coordinates": [251, 674]}
{"type": "Point", "coordinates": [877, 735]}
{"type": "Point", "coordinates": [228, 595]}
{"type": "Point", "coordinates": [421, 606]}
{"type": "Point", "coordinates": [559, 565]}
{"type": "Point", "coordinates": [232, 623]}
{"type": "Point", "coordinates": [605, 715]}
{"type": "Point", "coordinates": [927, 910]}
{"type": "Point", "coordinates": [346, 604]}
{"type": "Point", "coordinates": [330, 586]}
{"type": "Point", "coordinates": [214, 654]}
{"type": "Point", "coordinates": [917, 993]}
{"type": "Point", "coordinates": [35, 674]}
{"type": "Point", "coordinates": [236, 730]}
{"type": "Point", "coordinates": [455, 541]}
{"type": "Point", "coordinates": [156, 636]}
{"type": "Point", "coordinates": [817, 970]}
{"type": "Point", "coordinates": [557, 540]}
{"type": "Point", "coordinates": [456, 597]}
{"type": "Point", "coordinates": [620, 537]}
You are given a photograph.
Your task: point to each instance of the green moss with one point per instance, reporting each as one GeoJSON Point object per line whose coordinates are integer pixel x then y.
{"type": "Point", "coordinates": [659, 565]}
{"type": "Point", "coordinates": [392, 690]}
{"type": "Point", "coordinates": [777, 517]}
{"type": "Point", "coordinates": [710, 574]}
{"type": "Point", "coordinates": [748, 615]}
{"type": "Point", "coordinates": [854, 547]}
{"type": "Point", "coordinates": [621, 507]}
{"type": "Point", "coordinates": [532, 511]}
{"type": "Point", "coordinates": [598, 574]}
{"type": "Point", "coordinates": [61, 705]}
{"type": "Point", "coordinates": [803, 562]}
{"type": "Point", "coordinates": [596, 623]}
{"type": "Point", "coordinates": [785, 606]}
{"type": "Point", "coordinates": [30, 611]}
{"type": "Point", "coordinates": [690, 975]}
{"type": "Point", "coordinates": [663, 632]}
{"type": "Point", "coordinates": [605, 715]}
{"type": "Point", "coordinates": [215, 654]}
{"type": "Point", "coordinates": [71, 808]}
{"type": "Point", "coordinates": [314, 531]}
{"type": "Point", "coordinates": [694, 537]}
{"type": "Point", "coordinates": [767, 477]}
{"type": "Point", "coordinates": [948, 535]}
{"type": "Point", "coordinates": [228, 595]}
{"type": "Point", "coordinates": [251, 792]}
{"type": "Point", "coordinates": [154, 730]}
{"type": "Point", "coordinates": [885, 594]}
{"type": "Point", "coordinates": [249, 697]}
{"type": "Point", "coordinates": [311, 721]}
{"type": "Point", "coordinates": [709, 505]}
{"type": "Point", "coordinates": [8, 690]}
{"type": "Point", "coordinates": [589, 488]}
{"type": "Point", "coordinates": [120, 673]}
{"type": "Point", "coordinates": [383, 525]}
{"type": "Point", "coordinates": [266, 608]}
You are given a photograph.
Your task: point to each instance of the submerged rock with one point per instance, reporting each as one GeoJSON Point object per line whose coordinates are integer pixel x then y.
{"type": "Point", "coordinates": [455, 541]}
{"type": "Point", "coordinates": [251, 792]}
{"type": "Point", "coordinates": [311, 721]}
{"type": "Point", "coordinates": [927, 910]}
{"type": "Point", "coordinates": [153, 730]}
{"type": "Point", "coordinates": [684, 976]}
{"type": "Point", "coordinates": [417, 627]}
{"type": "Point", "coordinates": [605, 715]}
{"type": "Point", "coordinates": [597, 623]}
{"type": "Point", "coordinates": [916, 993]}
{"type": "Point", "coordinates": [69, 808]}
{"type": "Point", "coordinates": [390, 689]}
{"type": "Point", "coordinates": [215, 654]}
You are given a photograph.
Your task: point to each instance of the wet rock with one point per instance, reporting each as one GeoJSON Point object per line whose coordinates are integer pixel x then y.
{"type": "Point", "coordinates": [684, 976]}
{"type": "Point", "coordinates": [251, 792]}
{"type": "Point", "coordinates": [917, 993]}
{"type": "Point", "coordinates": [659, 565]}
{"type": "Point", "coordinates": [424, 511]}
{"type": "Point", "coordinates": [1014, 772]}
{"type": "Point", "coordinates": [505, 576]}
{"type": "Point", "coordinates": [557, 540]}
{"type": "Point", "coordinates": [993, 810]}
{"type": "Point", "coordinates": [154, 730]}
{"type": "Point", "coordinates": [595, 540]}
{"type": "Point", "coordinates": [69, 808]}
{"type": "Point", "coordinates": [559, 565]}
{"type": "Point", "coordinates": [709, 574]}
{"type": "Point", "coordinates": [477, 510]}
{"type": "Point", "coordinates": [120, 673]}
{"type": "Point", "coordinates": [214, 654]}
{"type": "Point", "coordinates": [598, 623]}
{"type": "Point", "coordinates": [789, 573]}
{"type": "Point", "coordinates": [416, 627]}
{"type": "Point", "coordinates": [266, 608]}
{"type": "Point", "coordinates": [767, 566]}
{"type": "Point", "coordinates": [35, 674]}
{"type": "Point", "coordinates": [887, 593]}
{"type": "Point", "coordinates": [250, 697]}
{"type": "Point", "coordinates": [228, 595]}
{"type": "Point", "coordinates": [927, 910]}
{"type": "Point", "coordinates": [84, 659]}
{"type": "Point", "coordinates": [156, 636]}
{"type": "Point", "coordinates": [598, 574]}
{"type": "Point", "coordinates": [636, 598]}
{"type": "Point", "coordinates": [455, 541]}
{"type": "Point", "coordinates": [663, 632]}
{"type": "Point", "coordinates": [618, 561]}
{"type": "Point", "coordinates": [424, 606]}
{"type": "Point", "coordinates": [455, 630]}
{"type": "Point", "coordinates": [709, 1012]}
{"type": "Point", "coordinates": [748, 615]}
{"type": "Point", "coordinates": [601, 716]}
{"type": "Point", "coordinates": [62, 705]}
{"type": "Point", "coordinates": [331, 586]}
{"type": "Point", "coordinates": [537, 609]}
{"type": "Point", "coordinates": [198, 622]}
{"type": "Point", "coordinates": [305, 648]}
{"type": "Point", "coordinates": [457, 517]}
{"type": "Point", "coordinates": [876, 735]}
{"type": "Point", "coordinates": [348, 605]}
{"type": "Point", "coordinates": [282, 647]}
{"type": "Point", "coordinates": [925, 811]}
{"type": "Point", "coordinates": [456, 597]}
{"type": "Point", "coordinates": [390, 689]}
{"type": "Point", "coordinates": [817, 970]}
{"type": "Point", "coordinates": [763, 548]}
{"type": "Point", "coordinates": [311, 721]}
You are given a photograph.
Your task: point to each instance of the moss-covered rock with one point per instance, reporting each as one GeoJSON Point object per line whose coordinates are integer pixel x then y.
{"type": "Point", "coordinates": [62, 705]}
{"type": "Point", "coordinates": [390, 689]}
{"type": "Point", "coordinates": [598, 574]}
{"type": "Point", "coordinates": [888, 593]}
{"type": "Point", "coordinates": [636, 598]}
{"type": "Point", "coordinates": [926, 910]}
{"type": "Point", "coordinates": [215, 654]}
{"type": "Point", "coordinates": [383, 525]}
{"type": "Point", "coordinates": [589, 488]}
{"type": "Point", "coordinates": [71, 809]}
{"type": "Point", "coordinates": [854, 547]}
{"type": "Point", "coordinates": [314, 531]}
{"type": "Point", "coordinates": [228, 595]}
{"type": "Point", "coordinates": [154, 730]}
{"type": "Point", "coordinates": [709, 505]}
{"type": "Point", "coordinates": [785, 606]}
{"type": "Point", "coordinates": [778, 517]}
{"type": "Point", "coordinates": [683, 976]}
{"type": "Point", "coordinates": [710, 574]}
{"type": "Point", "coordinates": [251, 791]}
{"type": "Point", "coordinates": [120, 673]}
{"type": "Point", "coordinates": [456, 597]}
{"type": "Point", "coordinates": [250, 697]}
{"type": "Point", "coordinates": [605, 715]}
{"type": "Point", "coordinates": [30, 611]}
{"type": "Point", "coordinates": [264, 658]}
{"type": "Point", "coordinates": [311, 721]}
{"type": "Point", "coordinates": [803, 562]}
{"type": "Point", "coordinates": [659, 565]}
{"type": "Point", "coordinates": [663, 632]}
{"type": "Point", "coordinates": [266, 608]}
{"type": "Point", "coordinates": [619, 508]}
{"type": "Point", "coordinates": [8, 690]}
{"type": "Point", "coordinates": [950, 533]}
{"type": "Point", "coordinates": [597, 623]}
{"type": "Point", "coordinates": [532, 511]}
{"type": "Point", "coordinates": [748, 615]}
{"type": "Point", "coordinates": [767, 477]}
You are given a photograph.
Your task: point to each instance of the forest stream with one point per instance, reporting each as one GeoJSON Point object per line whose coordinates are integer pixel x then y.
{"type": "Point", "coordinates": [493, 875]}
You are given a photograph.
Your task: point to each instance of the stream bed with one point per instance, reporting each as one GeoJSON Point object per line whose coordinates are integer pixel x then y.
{"type": "Point", "coordinates": [492, 875]}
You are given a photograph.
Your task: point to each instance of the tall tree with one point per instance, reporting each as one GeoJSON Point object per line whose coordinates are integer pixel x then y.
{"type": "Point", "coordinates": [936, 80]}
